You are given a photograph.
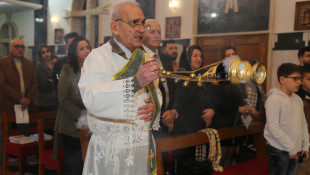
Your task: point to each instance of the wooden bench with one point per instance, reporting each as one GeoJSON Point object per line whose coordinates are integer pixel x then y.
{"type": "Point", "coordinates": [194, 139]}
{"type": "Point", "coordinates": [85, 135]}
{"type": "Point", "coordinates": [22, 151]}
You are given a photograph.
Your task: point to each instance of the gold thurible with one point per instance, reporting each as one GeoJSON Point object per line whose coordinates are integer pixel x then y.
{"type": "Point", "coordinates": [185, 83]}
{"type": "Point", "coordinates": [238, 72]}
{"type": "Point", "coordinates": [148, 58]}
{"type": "Point", "coordinates": [176, 80]}
{"type": "Point", "coordinates": [164, 72]}
{"type": "Point", "coordinates": [199, 84]}
{"type": "Point", "coordinates": [192, 76]}
{"type": "Point", "coordinates": [163, 79]}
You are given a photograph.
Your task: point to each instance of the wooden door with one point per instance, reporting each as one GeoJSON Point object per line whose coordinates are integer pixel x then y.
{"type": "Point", "coordinates": [247, 46]}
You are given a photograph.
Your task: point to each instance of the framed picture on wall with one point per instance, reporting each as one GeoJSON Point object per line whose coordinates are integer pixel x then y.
{"type": "Point", "coordinates": [302, 16]}
{"type": "Point", "coordinates": [59, 36]}
{"type": "Point", "coordinates": [173, 27]}
{"type": "Point", "coordinates": [228, 16]}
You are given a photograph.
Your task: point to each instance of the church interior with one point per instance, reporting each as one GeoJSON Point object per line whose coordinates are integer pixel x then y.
{"type": "Point", "coordinates": [271, 31]}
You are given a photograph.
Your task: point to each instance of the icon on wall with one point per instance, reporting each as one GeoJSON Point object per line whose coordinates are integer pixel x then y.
{"type": "Point", "coordinates": [173, 27]}
{"type": "Point", "coordinates": [59, 36]}
{"type": "Point", "coordinates": [302, 16]}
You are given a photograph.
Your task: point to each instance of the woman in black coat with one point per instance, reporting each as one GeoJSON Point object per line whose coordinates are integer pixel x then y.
{"type": "Point", "coordinates": [194, 106]}
{"type": "Point", "coordinates": [193, 103]}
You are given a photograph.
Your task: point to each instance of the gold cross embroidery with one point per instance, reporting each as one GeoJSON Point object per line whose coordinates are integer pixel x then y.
{"type": "Point", "coordinates": [151, 157]}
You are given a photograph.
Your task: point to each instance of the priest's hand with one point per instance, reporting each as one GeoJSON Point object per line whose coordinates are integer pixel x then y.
{"type": "Point", "coordinates": [147, 73]}
{"type": "Point", "coordinates": [146, 110]}
{"type": "Point", "coordinates": [207, 116]}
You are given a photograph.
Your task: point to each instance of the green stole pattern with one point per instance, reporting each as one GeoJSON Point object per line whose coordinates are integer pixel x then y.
{"type": "Point", "coordinates": [129, 70]}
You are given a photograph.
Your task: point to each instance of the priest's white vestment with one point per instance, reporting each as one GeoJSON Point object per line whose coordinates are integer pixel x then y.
{"type": "Point", "coordinates": [115, 147]}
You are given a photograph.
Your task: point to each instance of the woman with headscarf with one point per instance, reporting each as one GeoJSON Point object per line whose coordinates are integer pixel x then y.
{"type": "Point", "coordinates": [194, 106]}
{"type": "Point", "coordinates": [192, 103]}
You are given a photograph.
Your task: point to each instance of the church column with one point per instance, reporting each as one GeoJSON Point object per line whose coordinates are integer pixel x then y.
{"type": "Point", "coordinates": [90, 23]}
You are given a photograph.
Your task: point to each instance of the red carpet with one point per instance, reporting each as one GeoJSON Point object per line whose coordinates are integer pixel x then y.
{"type": "Point", "coordinates": [257, 166]}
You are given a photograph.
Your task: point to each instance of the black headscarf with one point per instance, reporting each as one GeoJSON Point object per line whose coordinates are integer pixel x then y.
{"type": "Point", "coordinates": [185, 60]}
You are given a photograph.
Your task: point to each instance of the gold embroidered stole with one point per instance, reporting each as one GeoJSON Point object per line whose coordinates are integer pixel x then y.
{"type": "Point", "coordinates": [129, 70]}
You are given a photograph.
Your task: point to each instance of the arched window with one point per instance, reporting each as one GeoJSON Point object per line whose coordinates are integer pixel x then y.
{"type": "Point", "coordinates": [8, 31]}
{"type": "Point", "coordinates": [85, 17]}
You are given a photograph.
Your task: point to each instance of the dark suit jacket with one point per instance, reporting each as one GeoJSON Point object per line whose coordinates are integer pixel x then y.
{"type": "Point", "coordinates": [57, 69]}
{"type": "Point", "coordinates": [167, 64]}
{"type": "Point", "coordinates": [10, 83]}
{"type": "Point", "coordinates": [302, 94]}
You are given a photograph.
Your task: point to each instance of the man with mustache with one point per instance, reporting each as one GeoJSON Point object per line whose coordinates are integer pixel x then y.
{"type": "Point", "coordinates": [169, 55]}
{"type": "Point", "coordinates": [69, 37]}
{"type": "Point", "coordinates": [304, 55]}
{"type": "Point", "coordinates": [120, 92]}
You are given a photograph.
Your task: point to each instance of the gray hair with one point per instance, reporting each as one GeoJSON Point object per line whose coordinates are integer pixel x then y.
{"type": "Point", "coordinates": [117, 9]}
{"type": "Point", "coordinates": [151, 20]}
{"type": "Point", "coordinates": [12, 40]}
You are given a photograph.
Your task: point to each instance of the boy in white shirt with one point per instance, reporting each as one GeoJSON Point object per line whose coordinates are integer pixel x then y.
{"type": "Point", "coordinates": [286, 129]}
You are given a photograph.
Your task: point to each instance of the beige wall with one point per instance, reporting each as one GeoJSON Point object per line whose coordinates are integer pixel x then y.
{"type": "Point", "coordinates": [185, 10]}
{"type": "Point", "coordinates": [24, 20]}
{"type": "Point", "coordinates": [58, 7]}
{"type": "Point", "coordinates": [284, 16]}
{"type": "Point", "coordinates": [284, 23]}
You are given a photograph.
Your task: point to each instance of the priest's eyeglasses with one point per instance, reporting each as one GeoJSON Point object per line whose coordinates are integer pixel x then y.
{"type": "Point", "coordinates": [135, 24]}
{"type": "Point", "coordinates": [295, 78]}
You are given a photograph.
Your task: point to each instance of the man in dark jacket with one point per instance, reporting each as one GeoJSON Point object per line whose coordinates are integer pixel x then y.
{"type": "Point", "coordinates": [18, 82]}
{"type": "Point", "coordinates": [151, 42]}
{"type": "Point", "coordinates": [58, 65]}
{"type": "Point", "coordinates": [169, 55]}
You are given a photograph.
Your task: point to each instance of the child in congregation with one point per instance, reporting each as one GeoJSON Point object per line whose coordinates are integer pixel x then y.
{"type": "Point", "coordinates": [286, 129]}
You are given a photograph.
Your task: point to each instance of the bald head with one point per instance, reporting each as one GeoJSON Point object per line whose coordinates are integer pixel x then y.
{"type": "Point", "coordinates": [16, 48]}
{"type": "Point", "coordinates": [152, 34]}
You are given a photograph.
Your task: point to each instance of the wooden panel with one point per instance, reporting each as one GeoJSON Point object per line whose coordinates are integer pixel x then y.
{"type": "Point", "coordinates": [211, 47]}
{"type": "Point", "coordinates": [251, 47]}
{"type": "Point", "coordinates": [248, 51]}
{"type": "Point", "coordinates": [247, 46]}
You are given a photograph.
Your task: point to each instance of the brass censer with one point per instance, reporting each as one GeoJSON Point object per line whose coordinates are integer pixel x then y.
{"type": "Point", "coordinates": [238, 72]}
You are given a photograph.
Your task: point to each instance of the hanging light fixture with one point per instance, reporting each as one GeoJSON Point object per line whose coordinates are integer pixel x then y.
{"type": "Point", "coordinates": [174, 4]}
